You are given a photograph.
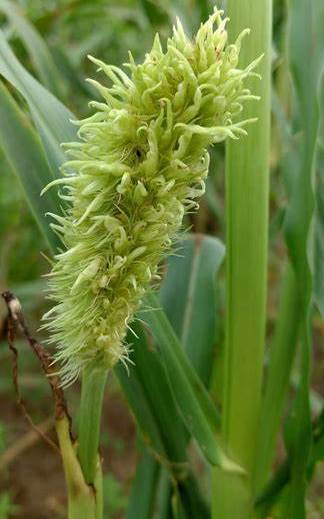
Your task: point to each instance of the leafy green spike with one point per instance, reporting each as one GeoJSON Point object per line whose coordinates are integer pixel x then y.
{"type": "Point", "coordinates": [139, 168]}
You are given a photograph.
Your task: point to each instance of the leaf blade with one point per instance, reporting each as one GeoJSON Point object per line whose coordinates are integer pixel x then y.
{"type": "Point", "coordinates": [298, 232]}
{"type": "Point", "coordinates": [193, 401]}
{"type": "Point", "coordinates": [35, 45]}
{"type": "Point", "coordinates": [25, 154]}
{"type": "Point", "coordinates": [188, 298]}
{"type": "Point", "coordinates": [51, 117]}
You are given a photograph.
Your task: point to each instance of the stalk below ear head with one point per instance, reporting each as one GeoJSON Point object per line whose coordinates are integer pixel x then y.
{"type": "Point", "coordinates": [139, 167]}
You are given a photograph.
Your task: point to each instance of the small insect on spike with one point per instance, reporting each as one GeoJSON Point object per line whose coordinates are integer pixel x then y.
{"type": "Point", "coordinates": [140, 166]}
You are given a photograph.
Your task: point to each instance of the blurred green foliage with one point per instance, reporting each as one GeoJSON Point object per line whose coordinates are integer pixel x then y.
{"type": "Point", "coordinates": [115, 500]}
{"type": "Point", "coordinates": [19, 235]}
{"type": "Point", "coordinates": [7, 508]}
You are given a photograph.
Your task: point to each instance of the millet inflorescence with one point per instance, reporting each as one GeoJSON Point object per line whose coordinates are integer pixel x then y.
{"type": "Point", "coordinates": [139, 166]}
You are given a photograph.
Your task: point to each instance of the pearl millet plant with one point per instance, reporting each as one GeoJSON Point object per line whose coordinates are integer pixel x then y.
{"type": "Point", "coordinates": [139, 167]}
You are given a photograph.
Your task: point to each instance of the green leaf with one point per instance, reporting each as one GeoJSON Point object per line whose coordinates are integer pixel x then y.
{"type": "Point", "coordinates": [35, 45]}
{"type": "Point", "coordinates": [319, 210]}
{"type": "Point", "coordinates": [146, 368]}
{"type": "Point", "coordinates": [51, 117]}
{"type": "Point", "coordinates": [192, 503]}
{"type": "Point", "coordinates": [26, 157]}
{"type": "Point", "coordinates": [285, 338]}
{"type": "Point", "coordinates": [204, 9]}
{"type": "Point", "coordinates": [283, 347]}
{"type": "Point", "coordinates": [282, 354]}
{"type": "Point", "coordinates": [298, 236]}
{"type": "Point", "coordinates": [321, 107]}
{"type": "Point", "coordinates": [318, 59]}
{"type": "Point", "coordinates": [274, 488]}
{"type": "Point", "coordinates": [73, 76]}
{"type": "Point", "coordinates": [92, 392]}
{"type": "Point", "coordinates": [154, 12]}
{"type": "Point", "coordinates": [163, 497]}
{"type": "Point", "coordinates": [149, 369]}
{"type": "Point", "coordinates": [137, 400]}
{"type": "Point", "coordinates": [188, 298]}
{"type": "Point", "coordinates": [141, 499]}
{"type": "Point", "coordinates": [194, 403]}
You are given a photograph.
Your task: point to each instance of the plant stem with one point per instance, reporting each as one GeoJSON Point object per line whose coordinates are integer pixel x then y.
{"type": "Point", "coordinates": [93, 385]}
{"type": "Point", "coordinates": [282, 353]}
{"type": "Point", "coordinates": [247, 177]}
{"type": "Point", "coordinates": [247, 185]}
{"type": "Point", "coordinates": [81, 497]}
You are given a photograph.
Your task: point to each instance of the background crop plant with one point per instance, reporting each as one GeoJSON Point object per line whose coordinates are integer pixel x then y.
{"type": "Point", "coordinates": [132, 294]}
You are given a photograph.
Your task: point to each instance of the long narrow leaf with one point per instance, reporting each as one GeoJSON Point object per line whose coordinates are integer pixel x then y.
{"type": "Point", "coordinates": [150, 376]}
{"type": "Point", "coordinates": [50, 116]}
{"type": "Point", "coordinates": [282, 351]}
{"type": "Point", "coordinates": [193, 401]}
{"type": "Point", "coordinates": [141, 499]}
{"type": "Point", "coordinates": [36, 47]}
{"type": "Point", "coordinates": [284, 343]}
{"type": "Point", "coordinates": [298, 226]}
{"type": "Point", "coordinates": [188, 296]}
{"type": "Point", "coordinates": [274, 487]}
{"type": "Point", "coordinates": [25, 154]}
{"type": "Point", "coordinates": [149, 370]}
{"type": "Point", "coordinates": [319, 212]}
{"type": "Point", "coordinates": [137, 400]}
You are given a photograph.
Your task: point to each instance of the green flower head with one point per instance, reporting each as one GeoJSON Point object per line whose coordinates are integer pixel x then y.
{"type": "Point", "coordinates": [139, 167]}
